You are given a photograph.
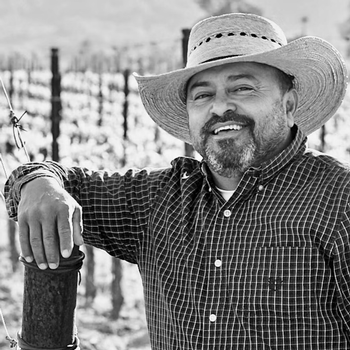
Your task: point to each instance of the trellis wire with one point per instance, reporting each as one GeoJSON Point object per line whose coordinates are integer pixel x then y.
{"type": "Point", "coordinates": [13, 342]}
{"type": "Point", "coordinates": [20, 144]}
{"type": "Point", "coordinates": [15, 124]}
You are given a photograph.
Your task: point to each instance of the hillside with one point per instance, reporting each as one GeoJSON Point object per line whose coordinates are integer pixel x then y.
{"type": "Point", "coordinates": [32, 27]}
{"type": "Point", "coordinates": [36, 25]}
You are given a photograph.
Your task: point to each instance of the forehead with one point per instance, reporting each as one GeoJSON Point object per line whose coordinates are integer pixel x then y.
{"type": "Point", "coordinates": [255, 71]}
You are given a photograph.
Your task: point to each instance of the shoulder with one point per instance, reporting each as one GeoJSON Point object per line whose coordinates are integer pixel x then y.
{"type": "Point", "coordinates": [330, 169]}
{"type": "Point", "coordinates": [327, 161]}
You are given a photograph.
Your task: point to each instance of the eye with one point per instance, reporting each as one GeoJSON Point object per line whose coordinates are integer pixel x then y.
{"type": "Point", "coordinates": [202, 96]}
{"type": "Point", "coordinates": [242, 89]}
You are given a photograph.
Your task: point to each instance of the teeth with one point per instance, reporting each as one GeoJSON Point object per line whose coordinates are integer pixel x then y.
{"type": "Point", "coordinates": [228, 127]}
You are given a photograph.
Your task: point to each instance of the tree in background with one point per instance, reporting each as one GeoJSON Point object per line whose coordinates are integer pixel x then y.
{"type": "Point", "coordinates": [220, 7]}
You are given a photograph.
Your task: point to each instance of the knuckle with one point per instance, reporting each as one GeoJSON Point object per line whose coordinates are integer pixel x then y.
{"type": "Point", "coordinates": [35, 241]}
{"type": "Point", "coordinates": [50, 239]}
{"type": "Point", "coordinates": [65, 231]}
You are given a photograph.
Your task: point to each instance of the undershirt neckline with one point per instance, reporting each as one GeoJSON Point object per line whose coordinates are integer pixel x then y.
{"type": "Point", "coordinates": [226, 194]}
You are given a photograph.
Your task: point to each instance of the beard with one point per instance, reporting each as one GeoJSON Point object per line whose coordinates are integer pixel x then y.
{"type": "Point", "coordinates": [231, 158]}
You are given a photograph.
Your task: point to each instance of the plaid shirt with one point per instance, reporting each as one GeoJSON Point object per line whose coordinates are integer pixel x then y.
{"type": "Point", "coordinates": [268, 269]}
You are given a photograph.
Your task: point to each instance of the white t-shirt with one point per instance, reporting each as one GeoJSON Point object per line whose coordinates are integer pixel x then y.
{"type": "Point", "coordinates": [226, 194]}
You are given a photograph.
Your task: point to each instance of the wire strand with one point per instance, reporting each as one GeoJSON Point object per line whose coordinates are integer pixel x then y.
{"type": "Point", "coordinates": [3, 166]}
{"type": "Point", "coordinates": [15, 124]}
{"type": "Point", "coordinates": [13, 342]}
{"type": "Point", "coordinates": [7, 98]}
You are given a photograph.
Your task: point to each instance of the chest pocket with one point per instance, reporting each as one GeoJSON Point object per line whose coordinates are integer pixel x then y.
{"type": "Point", "coordinates": [282, 282]}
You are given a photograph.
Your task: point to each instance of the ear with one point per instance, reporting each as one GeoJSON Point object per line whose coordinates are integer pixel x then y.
{"type": "Point", "coordinates": [290, 102]}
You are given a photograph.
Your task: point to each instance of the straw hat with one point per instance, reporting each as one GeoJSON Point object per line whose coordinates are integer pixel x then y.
{"type": "Point", "coordinates": [319, 72]}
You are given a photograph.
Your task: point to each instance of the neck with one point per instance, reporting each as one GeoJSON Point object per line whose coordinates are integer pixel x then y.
{"type": "Point", "coordinates": [227, 183]}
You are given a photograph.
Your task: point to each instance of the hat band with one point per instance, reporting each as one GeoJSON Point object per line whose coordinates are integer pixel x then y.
{"type": "Point", "coordinates": [230, 33]}
{"type": "Point", "coordinates": [229, 46]}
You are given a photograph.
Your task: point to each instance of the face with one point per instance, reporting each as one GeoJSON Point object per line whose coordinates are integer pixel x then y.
{"type": "Point", "coordinates": [238, 116]}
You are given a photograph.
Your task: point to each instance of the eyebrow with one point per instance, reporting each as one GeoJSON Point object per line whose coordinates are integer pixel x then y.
{"type": "Point", "coordinates": [235, 77]}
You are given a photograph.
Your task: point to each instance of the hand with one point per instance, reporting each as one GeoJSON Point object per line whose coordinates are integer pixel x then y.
{"type": "Point", "coordinates": [49, 221]}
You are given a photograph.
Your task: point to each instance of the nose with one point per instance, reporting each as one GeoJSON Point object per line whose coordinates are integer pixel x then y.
{"type": "Point", "coordinates": [221, 104]}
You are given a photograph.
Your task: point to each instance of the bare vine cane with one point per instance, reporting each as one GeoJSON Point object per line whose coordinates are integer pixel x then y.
{"type": "Point", "coordinates": [49, 298]}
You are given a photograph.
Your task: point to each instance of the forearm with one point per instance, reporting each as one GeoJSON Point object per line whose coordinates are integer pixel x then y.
{"type": "Point", "coordinates": [23, 175]}
{"type": "Point", "coordinates": [115, 208]}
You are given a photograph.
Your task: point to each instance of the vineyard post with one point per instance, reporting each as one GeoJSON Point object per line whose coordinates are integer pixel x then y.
{"type": "Point", "coordinates": [117, 268]}
{"type": "Point", "coordinates": [49, 301]}
{"type": "Point", "coordinates": [323, 133]}
{"type": "Point", "coordinates": [126, 106]}
{"type": "Point", "coordinates": [100, 97]}
{"type": "Point", "coordinates": [49, 297]}
{"type": "Point", "coordinates": [189, 152]}
{"type": "Point", "coordinates": [55, 103]}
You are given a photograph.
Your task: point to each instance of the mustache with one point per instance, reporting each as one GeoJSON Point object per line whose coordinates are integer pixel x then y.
{"type": "Point", "coordinates": [228, 116]}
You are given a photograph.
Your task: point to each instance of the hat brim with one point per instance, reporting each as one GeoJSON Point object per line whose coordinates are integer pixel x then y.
{"type": "Point", "coordinates": [319, 72]}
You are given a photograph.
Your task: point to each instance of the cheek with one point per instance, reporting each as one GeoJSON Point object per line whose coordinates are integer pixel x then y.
{"type": "Point", "coordinates": [195, 121]}
{"type": "Point", "coordinates": [272, 124]}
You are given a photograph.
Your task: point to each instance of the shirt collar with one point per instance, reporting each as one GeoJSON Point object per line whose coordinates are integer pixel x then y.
{"type": "Point", "coordinates": [295, 150]}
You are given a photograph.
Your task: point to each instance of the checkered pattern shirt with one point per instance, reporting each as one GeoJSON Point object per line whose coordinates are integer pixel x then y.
{"type": "Point", "coordinates": [268, 269]}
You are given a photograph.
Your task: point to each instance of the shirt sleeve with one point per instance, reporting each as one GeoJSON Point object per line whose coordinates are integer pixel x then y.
{"type": "Point", "coordinates": [115, 207]}
{"type": "Point", "coordinates": [21, 176]}
{"type": "Point", "coordinates": [341, 266]}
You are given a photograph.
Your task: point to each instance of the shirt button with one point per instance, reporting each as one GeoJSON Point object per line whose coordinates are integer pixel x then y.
{"type": "Point", "coordinates": [212, 318]}
{"type": "Point", "coordinates": [227, 213]}
{"type": "Point", "coordinates": [261, 187]}
{"type": "Point", "coordinates": [218, 263]}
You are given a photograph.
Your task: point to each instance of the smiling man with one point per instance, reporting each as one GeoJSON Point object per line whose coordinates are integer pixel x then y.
{"type": "Point", "coordinates": [239, 117]}
{"type": "Point", "coordinates": [246, 249]}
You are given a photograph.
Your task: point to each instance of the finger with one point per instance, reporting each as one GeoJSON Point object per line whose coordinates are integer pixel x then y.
{"type": "Point", "coordinates": [36, 243]}
{"type": "Point", "coordinates": [50, 243]}
{"type": "Point", "coordinates": [65, 233]}
{"type": "Point", "coordinates": [77, 227]}
{"type": "Point", "coordinates": [23, 232]}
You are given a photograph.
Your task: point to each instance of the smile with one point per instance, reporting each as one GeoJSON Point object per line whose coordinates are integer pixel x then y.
{"type": "Point", "coordinates": [228, 128]}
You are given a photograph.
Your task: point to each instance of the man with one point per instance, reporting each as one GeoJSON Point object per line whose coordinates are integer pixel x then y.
{"type": "Point", "coordinates": [247, 249]}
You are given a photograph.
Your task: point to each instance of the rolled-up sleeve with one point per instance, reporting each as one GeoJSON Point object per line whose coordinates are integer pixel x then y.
{"type": "Point", "coordinates": [23, 175]}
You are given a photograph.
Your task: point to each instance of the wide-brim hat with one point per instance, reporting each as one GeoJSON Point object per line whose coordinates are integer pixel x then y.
{"type": "Point", "coordinates": [319, 72]}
